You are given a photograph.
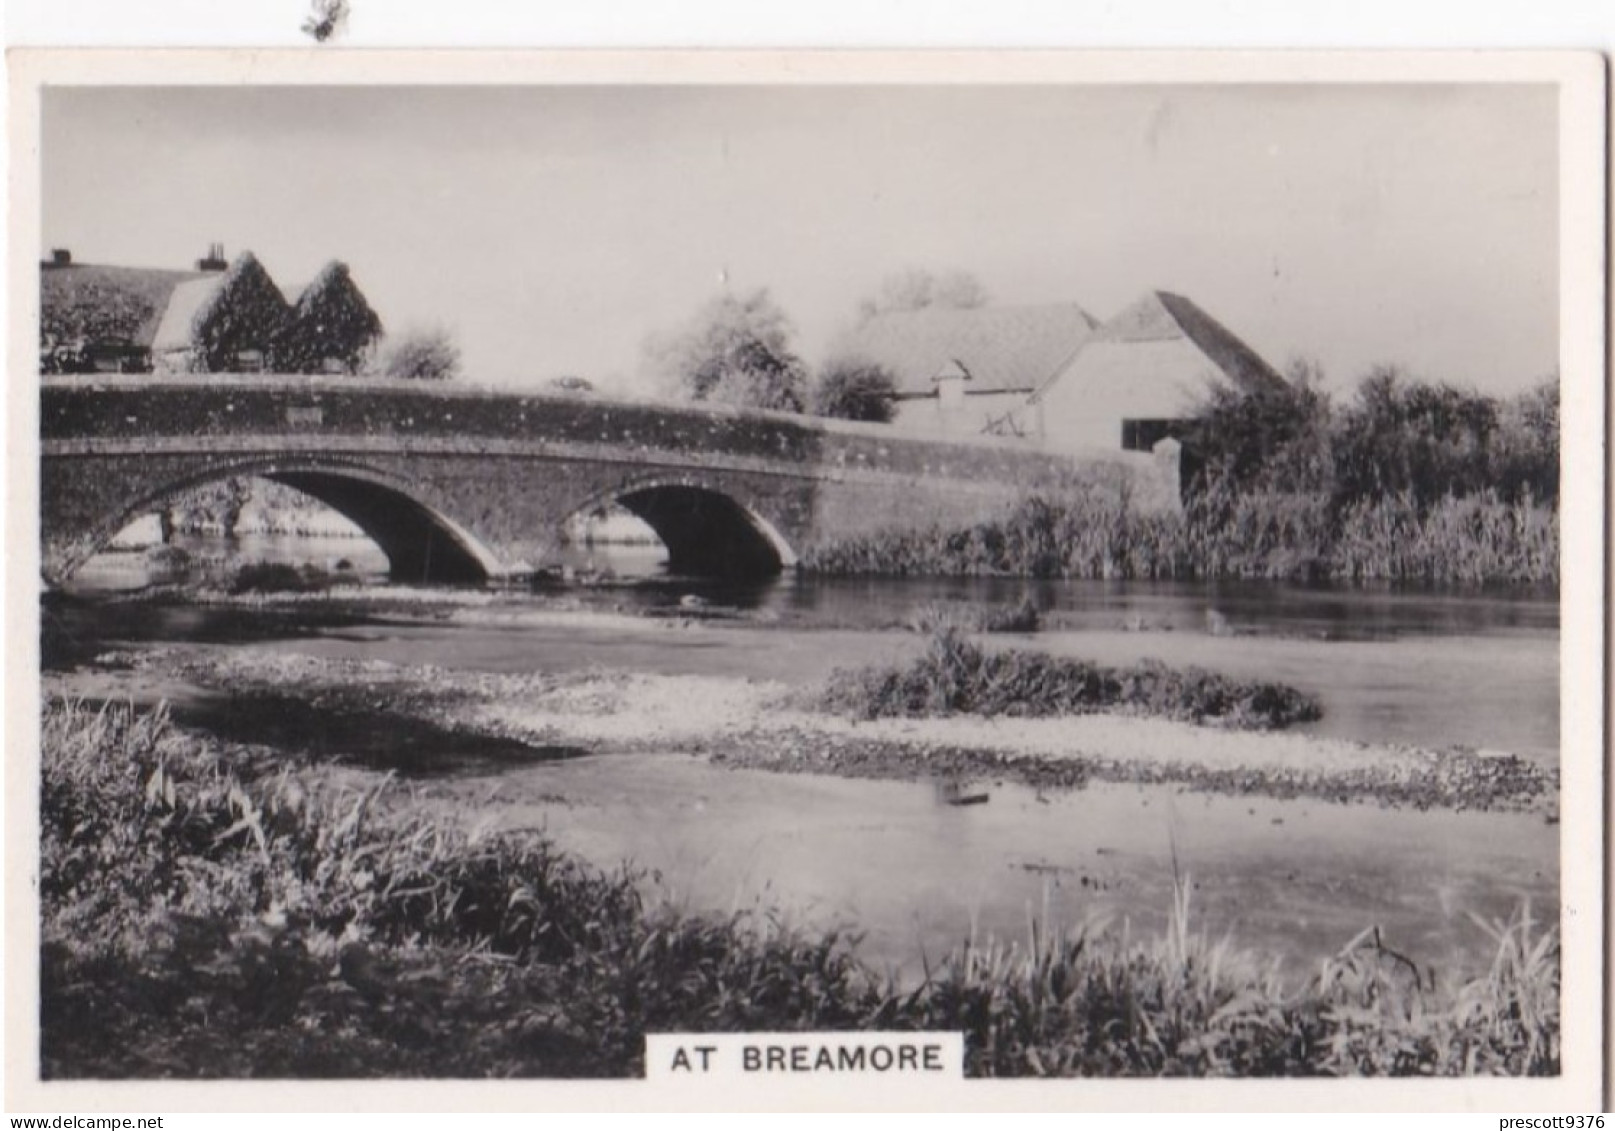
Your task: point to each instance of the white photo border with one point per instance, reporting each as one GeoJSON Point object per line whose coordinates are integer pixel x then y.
{"type": "Point", "coordinates": [1584, 134]}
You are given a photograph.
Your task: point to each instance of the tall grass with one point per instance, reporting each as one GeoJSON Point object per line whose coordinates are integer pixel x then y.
{"type": "Point", "coordinates": [953, 675]}
{"type": "Point", "coordinates": [1095, 1002]}
{"type": "Point", "coordinates": [1080, 533]}
{"type": "Point", "coordinates": [209, 914]}
{"type": "Point", "coordinates": [1261, 534]}
{"type": "Point", "coordinates": [1471, 540]}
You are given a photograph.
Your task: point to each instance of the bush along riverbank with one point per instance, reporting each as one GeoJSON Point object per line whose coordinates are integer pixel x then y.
{"type": "Point", "coordinates": [206, 913]}
{"type": "Point", "coordinates": [1408, 481]}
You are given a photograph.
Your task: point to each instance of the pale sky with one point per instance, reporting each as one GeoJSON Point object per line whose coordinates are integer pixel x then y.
{"type": "Point", "coordinates": [551, 229]}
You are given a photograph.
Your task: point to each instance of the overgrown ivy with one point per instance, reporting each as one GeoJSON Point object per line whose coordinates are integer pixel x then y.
{"type": "Point", "coordinates": [245, 312]}
{"type": "Point", "coordinates": [331, 321]}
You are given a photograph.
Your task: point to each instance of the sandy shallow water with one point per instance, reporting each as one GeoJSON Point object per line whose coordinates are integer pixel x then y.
{"type": "Point", "coordinates": [915, 875]}
{"type": "Point", "coordinates": [889, 859]}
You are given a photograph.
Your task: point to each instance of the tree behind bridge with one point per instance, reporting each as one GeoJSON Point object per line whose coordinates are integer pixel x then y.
{"type": "Point", "coordinates": [1274, 438]}
{"type": "Point", "coordinates": [735, 351]}
{"type": "Point", "coordinates": [421, 355]}
{"type": "Point", "coordinates": [1396, 438]}
{"type": "Point", "coordinates": [855, 388]}
{"type": "Point", "coordinates": [919, 289]}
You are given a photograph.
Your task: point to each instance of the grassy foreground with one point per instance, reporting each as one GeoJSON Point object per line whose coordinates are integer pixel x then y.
{"type": "Point", "coordinates": [208, 913]}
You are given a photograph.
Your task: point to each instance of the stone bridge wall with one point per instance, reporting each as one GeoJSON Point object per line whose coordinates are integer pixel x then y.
{"type": "Point", "coordinates": [508, 469]}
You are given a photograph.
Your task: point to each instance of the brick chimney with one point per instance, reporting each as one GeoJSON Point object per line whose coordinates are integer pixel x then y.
{"type": "Point", "coordinates": [214, 260]}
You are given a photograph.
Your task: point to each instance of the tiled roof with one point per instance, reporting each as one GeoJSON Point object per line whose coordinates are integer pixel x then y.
{"type": "Point", "coordinates": [1002, 348]}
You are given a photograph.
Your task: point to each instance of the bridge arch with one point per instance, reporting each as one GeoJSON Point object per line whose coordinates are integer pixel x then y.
{"type": "Point", "coordinates": [705, 527]}
{"type": "Point", "coordinates": [422, 544]}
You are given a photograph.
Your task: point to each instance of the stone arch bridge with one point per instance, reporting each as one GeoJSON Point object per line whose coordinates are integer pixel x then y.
{"type": "Point", "coordinates": [464, 485]}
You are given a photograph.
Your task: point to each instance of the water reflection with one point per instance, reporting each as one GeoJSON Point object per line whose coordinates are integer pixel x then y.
{"type": "Point", "coordinates": [636, 576]}
{"type": "Point", "coordinates": [1321, 611]}
{"type": "Point", "coordinates": [1390, 664]}
{"type": "Point", "coordinates": [1318, 612]}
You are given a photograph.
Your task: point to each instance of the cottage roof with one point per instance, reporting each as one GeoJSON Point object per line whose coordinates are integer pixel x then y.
{"type": "Point", "coordinates": [1162, 316]}
{"type": "Point", "coordinates": [332, 284]}
{"type": "Point", "coordinates": [176, 330]}
{"type": "Point", "coordinates": [331, 274]}
{"type": "Point", "coordinates": [295, 293]}
{"type": "Point", "coordinates": [1001, 348]}
{"type": "Point", "coordinates": [331, 322]}
{"type": "Point", "coordinates": [87, 300]}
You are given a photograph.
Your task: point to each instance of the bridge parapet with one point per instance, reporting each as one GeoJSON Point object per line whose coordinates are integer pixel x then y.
{"type": "Point", "coordinates": [402, 410]}
{"type": "Point", "coordinates": [498, 473]}
{"type": "Point", "coordinates": [207, 406]}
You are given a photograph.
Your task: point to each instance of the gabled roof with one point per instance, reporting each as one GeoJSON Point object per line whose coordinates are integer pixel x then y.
{"type": "Point", "coordinates": [330, 321]}
{"type": "Point", "coordinates": [1162, 316]}
{"type": "Point", "coordinates": [87, 300]}
{"type": "Point", "coordinates": [295, 293]}
{"type": "Point", "coordinates": [1002, 348]}
{"type": "Point", "coordinates": [332, 284]}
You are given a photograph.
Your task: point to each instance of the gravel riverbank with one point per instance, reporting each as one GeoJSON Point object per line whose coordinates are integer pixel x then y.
{"type": "Point", "coordinates": [761, 724]}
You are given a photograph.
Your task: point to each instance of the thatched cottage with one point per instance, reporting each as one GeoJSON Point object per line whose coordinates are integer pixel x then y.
{"type": "Point", "coordinates": [1055, 376]}
{"type": "Point", "coordinates": [99, 318]}
{"type": "Point", "coordinates": [220, 318]}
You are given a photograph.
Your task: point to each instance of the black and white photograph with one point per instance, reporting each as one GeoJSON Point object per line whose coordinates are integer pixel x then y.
{"type": "Point", "coordinates": [897, 579]}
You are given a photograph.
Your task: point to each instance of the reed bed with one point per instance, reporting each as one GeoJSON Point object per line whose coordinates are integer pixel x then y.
{"type": "Point", "coordinates": [208, 912]}
{"type": "Point", "coordinates": [1472, 540]}
{"type": "Point", "coordinates": [953, 675]}
{"type": "Point", "coordinates": [1023, 617]}
{"type": "Point", "coordinates": [1269, 535]}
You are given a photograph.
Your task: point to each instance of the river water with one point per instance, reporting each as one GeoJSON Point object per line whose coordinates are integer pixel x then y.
{"type": "Point", "coordinates": [1426, 667]}
{"type": "Point", "coordinates": [915, 876]}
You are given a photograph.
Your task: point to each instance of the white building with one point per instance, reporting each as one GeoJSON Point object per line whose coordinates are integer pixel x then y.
{"type": "Point", "coordinates": [967, 372]}
{"type": "Point", "coordinates": [1140, 376]}
{"type": "Point", "coordinates": [1054, 376]}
